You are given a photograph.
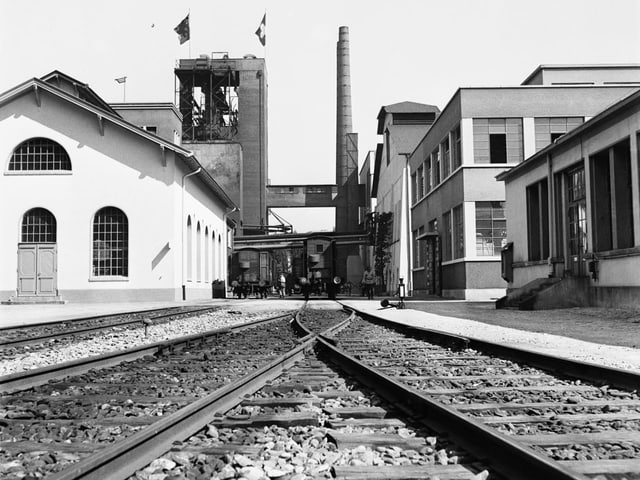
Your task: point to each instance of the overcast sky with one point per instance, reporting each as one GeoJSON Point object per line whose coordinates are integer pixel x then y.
{"type": "Point", "coordinates": [419, 50]}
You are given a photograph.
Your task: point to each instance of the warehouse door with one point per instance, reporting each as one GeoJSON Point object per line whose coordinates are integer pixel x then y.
{"type": "Point", "coordinates": [37, 254]}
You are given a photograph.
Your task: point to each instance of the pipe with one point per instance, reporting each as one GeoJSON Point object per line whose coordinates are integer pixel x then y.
{"type": "Point", "coordinates": [182, 220]}
{"type": "Point", "coordinates": [226, 235]}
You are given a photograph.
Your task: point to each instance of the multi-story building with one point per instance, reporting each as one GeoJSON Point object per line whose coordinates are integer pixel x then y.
{"type": "Point", "coordinates": [402, 125]}
{"type": "Point", "coordinates": [458, 222]}
{"type": "Point", "coordinates": [573, 216]}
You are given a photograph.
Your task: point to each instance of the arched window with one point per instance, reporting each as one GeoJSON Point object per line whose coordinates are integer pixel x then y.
{"type": "Point", "coordinates": [189, 250]}
{"type": "Point", "coordinates": [110, 243]}
{"type": "Point", "coordinates": [39, 154]}
{"type": "Point", "coordinates": [206, 255]}
{"type": "Point", "coordinates": [198, 253]}
{"type": "Point", "coordinates": [38, 226]}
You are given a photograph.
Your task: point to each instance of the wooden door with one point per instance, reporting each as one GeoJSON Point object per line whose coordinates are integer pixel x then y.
{"type": "Point", "coordinates": [37, 269]}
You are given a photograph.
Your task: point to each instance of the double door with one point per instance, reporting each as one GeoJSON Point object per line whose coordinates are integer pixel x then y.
{"type": "Point", "coordinates": [37, 269]}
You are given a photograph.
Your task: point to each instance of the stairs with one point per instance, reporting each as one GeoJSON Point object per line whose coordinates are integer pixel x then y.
{"type": "Point", "coordinates": [524, 297]}
{"type": "Point", "coordinates": [34, 300]}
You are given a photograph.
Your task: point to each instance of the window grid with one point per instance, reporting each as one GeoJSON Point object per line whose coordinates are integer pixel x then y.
{"type": "Point", "coordinates": [39, 154]}
{"type": "Point", "coordinates": [110, 243]}
{"type": "Point", "coordinates": [491, 228]}
{"type": "Point", "coordinates": [38, 226]}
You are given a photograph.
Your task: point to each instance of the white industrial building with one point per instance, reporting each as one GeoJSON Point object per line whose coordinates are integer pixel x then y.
{"type": "Point", "coordinates": [94, 208]}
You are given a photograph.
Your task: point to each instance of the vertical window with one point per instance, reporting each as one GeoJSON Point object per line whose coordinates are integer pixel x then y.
{"type": "Point", "coordinates": [458, 232]}
{"type": "Point", "coordinates": [110, 243]}
{"type": "Point", "coordinates": [207, 278]}
{"type": "Point", "coordinates": [491, 228]}
{"type": "Point", "coordinates": [427, 175]}
{"type": "Point", "coordinates": [198, 253]}
{"type": "Point", "coordinates": [612, 198]}
{"type": "Point", "coordinates": [456, 157]}
{"type": "Point", "coordinates": [38, 226]}
{"type": "Point", "coordinates": [497, 140]}
{"type": "Point", "coordinates": [39, 154]}
{"type": "Point", "coordinates": [189, 250]}
{"type": "Point", "coordinates": [414, 185]}
{"type": "Point", "coordinates": [446, 158]}
{"type": "Point", "coordinates": [538, 220]}
{"type": "Point", "coordinates": [420, 181]}
{"type": "Point", "coordinates": [417, 254]}
{"type": "Point", "coordinates": [435, 167]}
{"type": "Point", "coordinates": [446, 236]}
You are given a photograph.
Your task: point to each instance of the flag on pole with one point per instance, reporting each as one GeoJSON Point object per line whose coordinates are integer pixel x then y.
{"type": "Point", "coordinates": [183, 30]}
{"type": "Point", "coordinates": [261, 32]}
{"type": "Point", "coordinates": [121, 79]}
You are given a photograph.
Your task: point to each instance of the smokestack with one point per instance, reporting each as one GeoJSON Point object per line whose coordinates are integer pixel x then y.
{"type": "Point", "coordinates": [343, 112]}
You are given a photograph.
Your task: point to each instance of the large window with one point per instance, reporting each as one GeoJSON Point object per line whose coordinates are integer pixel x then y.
{"type": "Point", "coordinates": [549, 129]}
{"type": "Point", "coordinates": [110, 243]}
{"type": "Point", "coordinates": [38, 154]}
{"type": "Point", "coordinates": [38, 226]}
{"type": "Point", "coordinates": [491, 228]}
{"type": "Point", "coordinates": [497, 140]}
{"type": "Point", "coordinates": [538, 220]}
{"type": "Point", "coordinates": [612, 198]}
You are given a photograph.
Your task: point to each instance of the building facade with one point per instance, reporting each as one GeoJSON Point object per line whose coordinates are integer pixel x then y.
{"type": "Point", "coordinates": [95, 208]}
{"type": "Point", "coordinates": [573, 213]}
{"type": "Point", "coordinates": [401, 125]}
{"type": "Point", "coordinates": [458, 216]}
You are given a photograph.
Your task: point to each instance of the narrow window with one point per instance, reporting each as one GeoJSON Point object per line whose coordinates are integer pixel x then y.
{"type": "Point", "coordinates": [198, 253]}
{"type": "Point", "coordinates": [39, 154]}
{"type": "Point", "coordinates": [446, 240]}
{"type": "Point", "coordinates": [110, 243]}
{"type": "Point", "coordinates": [207, 278]}
{"type": "Point", "coordinates": [456, 158]}
{"type": "Point", "coordinates": [189, 250]}
{"type": "Point", "coordinates": [446, 158]}
{"type": "Point", "coordinates": [427, 175]}
{"type": "Point", "coordinates": [420, 189]}
{"type": "Point", "coordinates": [458, 232]}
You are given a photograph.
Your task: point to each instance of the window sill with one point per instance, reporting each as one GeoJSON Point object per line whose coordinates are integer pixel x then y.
{"type": "Point", "coordinates": [621, 253]}
{"type": "Point", "coordinates": [418, 269]}
{"type": "Point", "coordinates": [109, 279]}
{"type": "Point", "coordinates": [12, 173]}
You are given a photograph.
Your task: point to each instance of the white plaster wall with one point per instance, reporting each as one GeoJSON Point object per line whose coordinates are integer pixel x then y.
{"type": "Point", "coordinates": [118, 169]}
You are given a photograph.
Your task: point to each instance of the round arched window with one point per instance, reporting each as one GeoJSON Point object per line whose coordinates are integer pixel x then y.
{"type": "Point", "coordinates": [39, 154]}
{"type": "Point", "coordinates": [38, 226]}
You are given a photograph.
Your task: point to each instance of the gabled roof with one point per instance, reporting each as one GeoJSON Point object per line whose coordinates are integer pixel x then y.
{"type": "Point", "coordinates": [404, 107]}
{"type": "Point", "coordinates": [82, 90]}
{"type": "Point", "coordinates": [37, 86]}
{"type": "Point", "coordinates": [605, 115]}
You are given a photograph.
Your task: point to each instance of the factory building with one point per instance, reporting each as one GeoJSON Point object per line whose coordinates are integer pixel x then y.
{"type": "Point", "coordinates": [573, 217]}
{"type": "Point", "coordinates": [458, 220]}
{"type": "Point", "coordinates": [97, 209]}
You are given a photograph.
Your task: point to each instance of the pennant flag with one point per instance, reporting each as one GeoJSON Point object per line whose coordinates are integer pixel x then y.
{"type": "Point", "coordinates": [261, 32]}
{"type": "Point", "coordinates": [183, 30]}
{"type": "Point", "coordinates": [121, 79]}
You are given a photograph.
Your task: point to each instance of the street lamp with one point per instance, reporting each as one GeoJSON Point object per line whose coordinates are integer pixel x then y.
{"type": "Point", "coordinates": [401, 292]}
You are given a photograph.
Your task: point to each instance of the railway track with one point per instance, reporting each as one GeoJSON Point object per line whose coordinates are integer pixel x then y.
{"type": "Point", "coordinates": [288, 414]}
{"type": "Point", "coordinates": [43, 334]}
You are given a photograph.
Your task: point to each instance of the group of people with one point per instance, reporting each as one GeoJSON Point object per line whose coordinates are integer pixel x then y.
{"type": "Point", "coordinates": [286, 285]}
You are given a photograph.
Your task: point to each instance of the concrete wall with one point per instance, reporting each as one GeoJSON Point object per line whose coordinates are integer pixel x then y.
{"type": "Point", "coordinates": [165, 118]}
{"type": "Point", "coordinates": [119, 169]}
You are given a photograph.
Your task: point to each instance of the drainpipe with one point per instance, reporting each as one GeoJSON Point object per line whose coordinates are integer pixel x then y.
{"type": "Point", "coordinates": [184, 177]}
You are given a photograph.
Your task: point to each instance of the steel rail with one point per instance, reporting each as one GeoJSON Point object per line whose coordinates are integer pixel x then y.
{"type": "Point", "coordinates": [509, 457]}
{"type": "Point", "coordinates": [123, 458]}
{"type": "Point", "coordinates": [39, 376]}
{"type": "Point", "coordinates": [74, 332]}
{"type": "Point", "coordinates": [598, 374]}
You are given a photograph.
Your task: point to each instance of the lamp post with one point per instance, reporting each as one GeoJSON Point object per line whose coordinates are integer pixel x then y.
{"type": "Point", "coordinates": [401, 293]}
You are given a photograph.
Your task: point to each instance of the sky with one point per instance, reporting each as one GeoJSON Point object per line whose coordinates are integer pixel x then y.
{"type": "Point", "coordinates": [415, 50]}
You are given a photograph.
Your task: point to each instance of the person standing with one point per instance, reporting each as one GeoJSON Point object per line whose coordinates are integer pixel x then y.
{"type": "Point", "coordinates": [368, 281]}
